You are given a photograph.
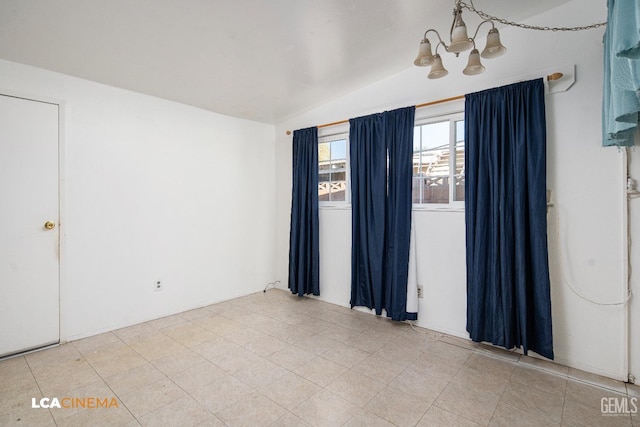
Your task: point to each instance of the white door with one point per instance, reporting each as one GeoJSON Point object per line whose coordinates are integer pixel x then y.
{"type": "Point", "coordinates": [29, 249]}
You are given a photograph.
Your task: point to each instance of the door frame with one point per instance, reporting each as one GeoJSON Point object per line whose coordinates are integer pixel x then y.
{"type": "Point", "coordinates": [62, 276]}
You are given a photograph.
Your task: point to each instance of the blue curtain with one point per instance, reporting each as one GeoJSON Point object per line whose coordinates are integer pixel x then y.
{"type": "Point", "coordinates": [508, 288]}
{"type": "Point", "coordinates": [381, 210]}
{"type": "Point", "coordinates": [304, 258]}
{"type": "Point", "coordinates": [621, 94]}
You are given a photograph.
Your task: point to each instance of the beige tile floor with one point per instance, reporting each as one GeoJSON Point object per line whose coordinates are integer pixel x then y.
{"type": "Point", "coordinates": [276, 359]}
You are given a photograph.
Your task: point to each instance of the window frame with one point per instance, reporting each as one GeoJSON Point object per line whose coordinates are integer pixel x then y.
{"type": "Point", "coordinates": [337, 135]}
{"type": "Point", "coordinates": [452, 205]}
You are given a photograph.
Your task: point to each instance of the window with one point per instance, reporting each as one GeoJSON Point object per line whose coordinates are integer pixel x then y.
{"type": "Point", "coordinates": [333, 169]}
{"type": "Point", "coordinates": [438, 164]}
{"type": "Point", "coordinates": [438, 161]}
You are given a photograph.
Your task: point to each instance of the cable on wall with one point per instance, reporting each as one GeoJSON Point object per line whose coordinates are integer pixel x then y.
{"type": "Point", "coordinates": [272, 284]}
{"type": "Point", "coordinates": [563, 245]}
{"type": "Point", "coordinates": [631, 193]}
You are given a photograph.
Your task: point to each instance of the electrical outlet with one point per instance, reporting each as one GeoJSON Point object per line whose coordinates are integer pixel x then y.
{"type": "Point", "coordinates": [420, 292]}
{"type": "Point", "coordinates": [158, 286]}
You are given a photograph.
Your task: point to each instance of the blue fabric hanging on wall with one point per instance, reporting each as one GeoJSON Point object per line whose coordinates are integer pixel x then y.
{"type": "Point", "coordinates": [304, 247]}
{"type": "Point", "coordinates": [381, 210]}
{"type": "Point", "coordinates": [368, 162]}
{"type": "Point", "coordinates": [508, 287]}
{"type": "Point", "coordinates": [399, 136]}
{"type": "Point", "coordinates": [621, 92]}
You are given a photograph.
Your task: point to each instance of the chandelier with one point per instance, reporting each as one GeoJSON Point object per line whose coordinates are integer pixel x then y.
{"type": "Point", "coordinates": [459, 42]}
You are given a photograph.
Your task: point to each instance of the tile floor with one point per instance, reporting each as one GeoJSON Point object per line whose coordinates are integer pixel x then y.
{"type": "Point", "coordinates": [276, 359]}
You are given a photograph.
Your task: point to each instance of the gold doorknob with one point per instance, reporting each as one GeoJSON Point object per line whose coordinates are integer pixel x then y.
{"type": "Point", "coordinates": [49, 225]}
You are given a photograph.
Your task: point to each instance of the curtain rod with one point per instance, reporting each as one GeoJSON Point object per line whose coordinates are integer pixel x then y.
{"type": "Point", "coordinates": [550, 78]}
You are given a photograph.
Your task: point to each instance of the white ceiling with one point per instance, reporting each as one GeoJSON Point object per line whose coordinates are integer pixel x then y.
{"type": "Point", "coordinates": [255, 59]}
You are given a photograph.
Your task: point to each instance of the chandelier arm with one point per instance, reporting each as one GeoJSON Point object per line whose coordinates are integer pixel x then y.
{"type": "Point", "coordinates": [446, 48]}
{"type": "Point", "coordinates": [437, 33]}
{"type": "Point", "coordinates": [478, 28]}
{"type": "Point", "coordinates": [486, 16]}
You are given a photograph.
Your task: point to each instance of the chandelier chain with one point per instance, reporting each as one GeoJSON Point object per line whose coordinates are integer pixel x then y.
{"type": "Point", "coordinates": [485, 15]}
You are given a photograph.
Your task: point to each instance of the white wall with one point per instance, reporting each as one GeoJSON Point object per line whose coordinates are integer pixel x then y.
{"type": "Point", "coordinates": [154, 190]}
{"type": "Point", "coordinates": [585, 228]}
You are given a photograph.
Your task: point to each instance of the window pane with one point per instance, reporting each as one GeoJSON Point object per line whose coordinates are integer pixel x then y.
{"type": "Point", "coordinates": [339, 165]}
{"type": "Point", "coordinates": [417, 149]}
{"type": "Point", "coordinates": [459, 162]}
{"type": "Point", "coordinates": [436, 189]}
{"type": "Point", "coordinates": [324, 152]}
{"type": "Point", "coordinates": [338, 191]}
{"type": "Point", "coordinates": [333, 168]}
{"type": "Point", "coordinates": [339, 176]}
{"type": "Point", "coordinates": [431, 163]}
{"type": "Point", "coordinates": [459, 194]}
{"type": "Point", "coordinates": [416, 138]}
{"type": "Point", "coordinates": [435, 135]}
{"type": "Point", "coordinates": [416, 163]}
{"type": "Point", "coordinates": [323, 192]}
{"type": "Point", "coordinates": [460, 131]}
{"type": "Point", "coordinates": [416, 190]}
{"type": "Point", "coordinates": [339, 149]}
